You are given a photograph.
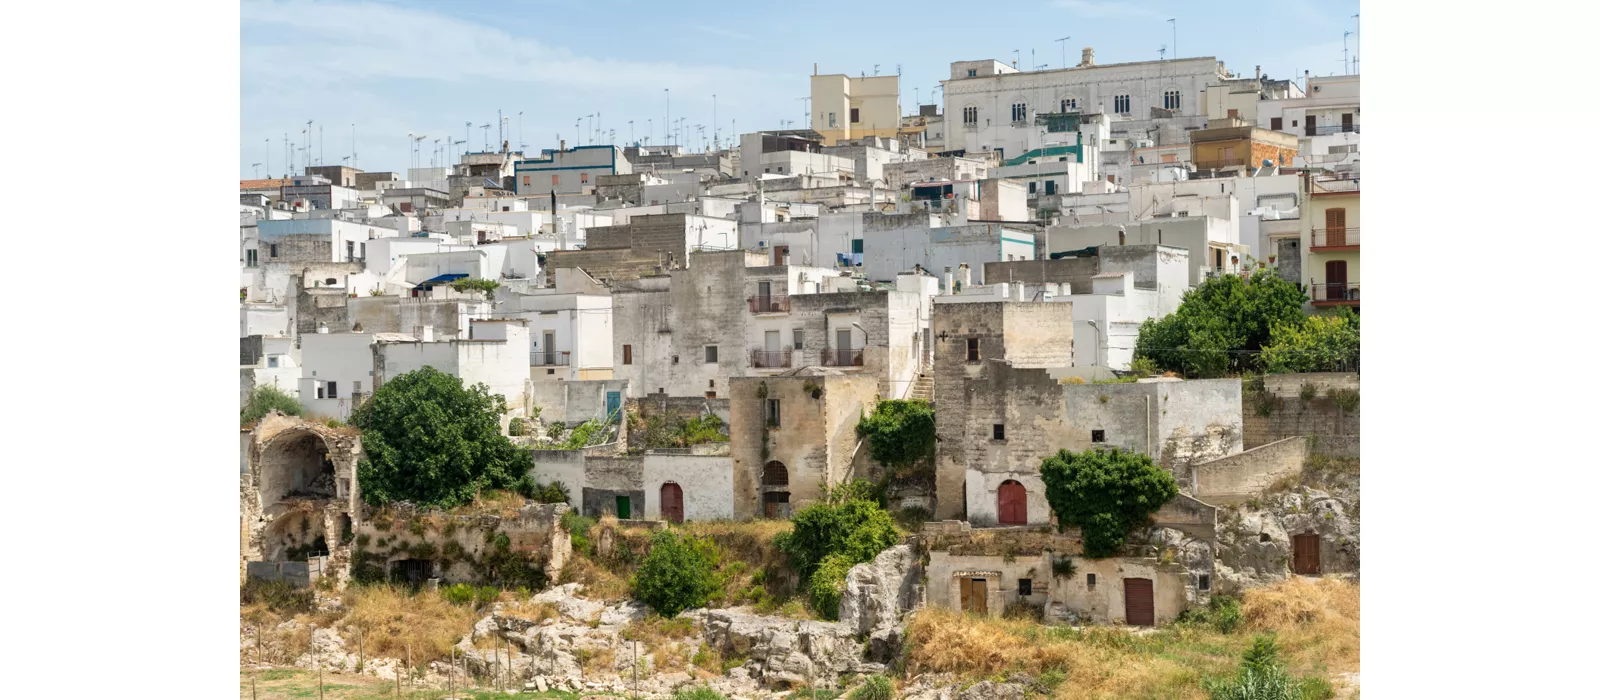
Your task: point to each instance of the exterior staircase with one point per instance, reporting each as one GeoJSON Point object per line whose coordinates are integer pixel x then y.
{"type": "Point", "coordinates": [922, 388]}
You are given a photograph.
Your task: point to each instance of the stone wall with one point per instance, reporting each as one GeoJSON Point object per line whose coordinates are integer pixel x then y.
{"type": "Point", "coordinates": [1190, 515]}
{"type": "Point", "coordinates": [814, 441]}
{"type": "Point", "coordinates": [1077, 272]}
{"type": "Point", "coordinates": [298, 485]}
{"type": "Point", "coordinates": [1236, 478]}
{"type": "Point", "coordinates": [451, 541]}
{"type": "Point", "coordinates": [1280, 413]}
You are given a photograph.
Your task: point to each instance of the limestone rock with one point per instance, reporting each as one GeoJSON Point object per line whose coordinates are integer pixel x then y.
{"type": "Point", "coordinates": [990, 690]}
{"type": "Point", "coordinates": [781, 650]}
{"type": "Point", "coordinates": [878, 593]}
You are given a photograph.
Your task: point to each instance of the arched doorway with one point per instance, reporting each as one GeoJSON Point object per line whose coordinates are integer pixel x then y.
{"type": "Point", "coordinates": [775, 490]}
{"type": "Point", "coordinates": [672, 502]}
{"type": "Point", "coordinates": [1013, 503]}
{"type": "Point", "coordinates": [295, 465]}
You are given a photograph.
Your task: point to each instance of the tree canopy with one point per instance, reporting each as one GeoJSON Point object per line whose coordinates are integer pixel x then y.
{"type": "Point", "coordinates": [1322, 343]}
{"type": "Point", "coordinates": [432, 441]}
{"type": "Point", "coordinates": [1106, 493]}
{"type": "Point", "coordinates": [1222, 324]}
{"type": "Point", "coordinates": [899, 433]}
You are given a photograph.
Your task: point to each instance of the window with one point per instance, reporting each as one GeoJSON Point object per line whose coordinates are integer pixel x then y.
{"type": "Point", "coordinates": [333, 390]}
{"type": "Point", "coordinates": [1090, 581]}
{"type": "Point", "coordinates": [322, 392]}
{"type": "Point", "coordinates": [1122, 104]}
{"type": "Point", "coordinates": [1204, 583]}
{"type": "Point", "coordinates": [627, 354]}
{"type": "Point", "coordinates": [1069, 104]}
{"type": "Point", "coordinates": [855, 115]}
{"type": "Point", "coordinates": [969, 115]}
{"type": "Point", "coordinates": [711, 354]}
{"type": "Point", "coordinates": [972, 349]}
{"type": "Point", "coordinates": [1169, 100]}
{"type": "Point", "coordinates": [1033, 187]}
{"type": "Point", "coordinates": [833, 120]}
{"type": "Point", "coordinates": [1049, 186]}
{"type": "Point", "coordinates": [272, 361]}
{"type": "Point", "coordinates": [1024, 586]}
{"type": "Point", "coordinates": [555, 179]}
{"type": "Point", "coordinates": [799, 339]}
{"type": "Point", "coordinates": [272, 250]}
{"type": "Point", "coordinates": [527, 180]}
{"type": "Point", "coordinates": [355, 388]}
{"type": "Point", "coordinates": [773, 413]}
{"type": "Point", "coordinates": [780, 168]}
{"type": "Point", "coordinates": [349, 251]}
{"type": "Point", "coordinates": [583, 178]}
{"type": "Point", "coordinates": [331, 281]}
{"type": "Point", "coordinates": [999, 431]}
{"type": "Point", "coordinates": [1233, 114]}
{"type": "Point", "coordinates": [1277, 123]}
{"type": "Point", "coordinates": [1097, 436]}
{"type": "Point", "coordinates": [1019, 112]}
{"type": "Point", "coordinates": [250, 258]}
{"type": "Point", "coordinates": [972, 72]}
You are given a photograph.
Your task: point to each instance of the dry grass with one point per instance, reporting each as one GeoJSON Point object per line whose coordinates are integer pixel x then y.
{"type": "Point", "coordinates": [598, 660]}
{"type": "Point", "coordinates": [392, 617]}
{"type": "Point", "coordinates": [529, 610]}
{"type": "Point", "coordinates": [598, 583]}
{"type": "Point", "coordinates": [1317, 624]}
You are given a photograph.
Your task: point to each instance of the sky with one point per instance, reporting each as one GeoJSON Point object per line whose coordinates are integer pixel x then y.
{"type": "Point", "coordinates": [372, 74]}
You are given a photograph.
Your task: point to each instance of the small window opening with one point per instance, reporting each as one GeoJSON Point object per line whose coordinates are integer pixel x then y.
{"type": "Point", "coordinates": [1024, 586]}
{"type": "Point", "coordinates": [1097, 436]}
{"type": "Point", "coordinates": [999, 431]}
{"type": "Point", "coordinates": [1205, 582]}
{"type": "Point", "coordinates": [972, 349]}
{"type": "Point", "coordinates": [1091, 582]}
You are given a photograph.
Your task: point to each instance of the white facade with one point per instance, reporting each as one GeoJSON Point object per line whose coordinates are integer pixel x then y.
{"type": "Point", "coordinates": [336, 371]}
{"type": "Point", "coordinates": [1212, 243]}
{"type": "Point", "coordinates": [571, 171]}
{"type": "Point", "coordinates": [891, 252]}
{"type": "Point", "coordinates": [570, 333]}
{"type": "Point", "coordinates": [497, 356]}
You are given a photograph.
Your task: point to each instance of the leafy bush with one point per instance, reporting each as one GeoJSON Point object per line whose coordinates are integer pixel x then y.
{"type": "Point", "coordinates": [468, 595]}
{"type": "Point", "coordinates": [700, 693]}
{"type": "Point", "coordinates": [1144, 367]}
{"type": "Point", "coordinates": [518, 427]}
{"type": "Point", "coordinates": [1221, 325]}
{"type": "Point", "coordinates": [510, 569]}
{"type": "Point", "coordinates": [431, 441]}
{"type": "Point", "coordinates": [1106, 493]}
{"type": "Point", "coordinates": [555, 430]}
{"type": "Point", "coordinates": [587, 433]}
{"type": "Point", "coordinates": [531, 489]}
{"type": "Point", "coordinates": [1260, 677]}
{"type": "Point", "coordinates": [263, 400]}
{"type": "Point", "coordinates": [1222, 613]}
{"type": "Point", "coordinates": [1063, 567]}
{"type": "Point", "coordinates": [678, 574]}
{"type": "Point", "coordinates": [1318, 343]}
{"type": "Point", "coordinates": [876, 688]}
{"type": "Point", "coordinates": [474, 284]}
{"type": "Point", "coordinates": [840, 533]}
{"type": "Point", "coordinates": [899, 433]}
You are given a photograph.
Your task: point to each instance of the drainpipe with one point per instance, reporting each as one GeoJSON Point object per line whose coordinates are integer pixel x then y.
{"type": "Point", "coordinates": [1148, 439]}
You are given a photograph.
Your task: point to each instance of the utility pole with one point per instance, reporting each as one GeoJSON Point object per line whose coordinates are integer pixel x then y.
{"type": "Point", "coordinates": [1357, 18]}
{"type": "Point", "coordinates": [714, 142]}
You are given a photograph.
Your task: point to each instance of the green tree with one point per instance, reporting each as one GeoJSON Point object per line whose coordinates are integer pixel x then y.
{"type": "Point", "coordinates": [679, 573]}
{"type": "Point", "coordinates": [1106, 493]}
{"type": "Point", "coordinates": [1221, 324]}
{"type": "Point", "coordinates": [431, 441]}
{"type": "Point", "coordinates": [263, 399]}
{"type": "Point", "coordinates": [475, 284]}
{"type": "Point", "coordinates": [899, 433]}
{"type": "Point", "coordinates": [1322, 343]}
{"type": "Point", "coordinates": [830, 537]}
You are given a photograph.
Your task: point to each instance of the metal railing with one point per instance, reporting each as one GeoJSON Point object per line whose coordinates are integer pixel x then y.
{"type": "Point", "coordinates": [1325, 129]}
{"type": "Point", "coordinates": [847, 357]}
{"type": "Point", "coordinates": [1335, 237]}
{"type": "Point", "coordinates": [1218, 164]}
{"type": "Point", "coordinates": [1336, 292]}
{"type": "Point", "coordinates": [772, 304]}
{"type": "Point", "coordinates": [552, 359]}
{"type": "Point", "coordinates": [770, 359]}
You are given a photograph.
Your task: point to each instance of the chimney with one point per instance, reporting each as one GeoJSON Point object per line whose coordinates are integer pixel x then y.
{"type": "Point", "coordinates": [813, 69]}
{"type": "Point", "coordinates": [1258, 73]}
{"type": "Point", "coordinates": [949, 278]}
{"type": "Point", "coordinates": [965, 273]}
{"type": "Point", "coordinates": [1088, 57]}
{"type": "Point", "coordinates": [563, 145]}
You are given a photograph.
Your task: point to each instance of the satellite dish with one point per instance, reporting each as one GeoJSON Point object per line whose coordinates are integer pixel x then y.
{"type": "Point", "coordinates": [1266, 163]}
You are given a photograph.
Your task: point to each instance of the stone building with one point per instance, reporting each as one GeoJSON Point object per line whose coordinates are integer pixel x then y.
{"type": "Point", "coordinates": [793, 436]}
{"type": "Point", "coordinates": [298, 493]}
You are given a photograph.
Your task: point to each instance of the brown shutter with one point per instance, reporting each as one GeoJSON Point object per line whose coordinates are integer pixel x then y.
{"type": "Point", "coordinates": [1139, 598]}
{"type": "Point", "coordinates": [1307, 554]}
{"type": "Point", "coordinates": [980, 596]}
{"type": "Point", "coordinates": [966, 594]}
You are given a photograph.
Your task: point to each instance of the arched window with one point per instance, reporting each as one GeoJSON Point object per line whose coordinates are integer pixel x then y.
{"type": "Point", "coordinates": [969, 115]}
{"type": "Point", "coordinates": [775, 474]}
{"type": "Point", "coordinates": [1013, 503]}
{"type": "Point", "coordinates": [1069, 104]}
{"type": "Point", "coordinates": [1169, 100]}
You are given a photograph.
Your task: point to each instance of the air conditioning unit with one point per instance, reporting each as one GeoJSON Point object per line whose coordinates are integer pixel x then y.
{"type": "Point", "coordinates": [761, 244]}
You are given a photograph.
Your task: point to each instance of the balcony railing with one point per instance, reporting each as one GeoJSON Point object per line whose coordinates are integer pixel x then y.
{"type": "Point", "coordinates": [1221, 163]}
{"type": "Point", "coordinates": [1336, 293]}
{"type": "Point", "coordinates": [552, 359]}
{"type": "Point", "coordinates": [846, 357]}
{"type": "Point", "coordinates": [772, 304]}
{"type": "Point", "coordinates": [1347, 237]}
{"type": "Point", "coordinates": [770, 359]}
{"type": "Point", "coordinates": [1325, 129]}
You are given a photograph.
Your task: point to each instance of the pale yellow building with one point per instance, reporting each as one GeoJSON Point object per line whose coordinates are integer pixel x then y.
{"type": "Point", "coordinates": [1330, 238]}
{"type": "Point", "coordinates": [844, 108]}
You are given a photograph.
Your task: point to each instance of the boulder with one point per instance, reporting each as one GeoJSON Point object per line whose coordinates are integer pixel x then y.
{"type": "Point", "coordinates": [991, 690]}
{"type": "Point", "coordinates": [879, 592]}
{"type": "Point", "coordinates": [781, 650]}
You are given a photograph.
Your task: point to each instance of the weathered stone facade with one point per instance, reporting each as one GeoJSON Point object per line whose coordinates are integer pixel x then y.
{"type": "Point", "coordinates": [780, 468]}
{"type": "Point", "coordinates": [298, 488]}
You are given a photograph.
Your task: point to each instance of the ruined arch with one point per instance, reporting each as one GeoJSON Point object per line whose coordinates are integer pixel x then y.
{"type": "Point", "coordinates": [295, 464]}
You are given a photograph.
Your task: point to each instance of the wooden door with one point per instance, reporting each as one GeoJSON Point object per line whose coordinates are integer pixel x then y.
{"type": "Point", "coordinates": [1307, 555]}
{"type": "Point", "coordinates": [975, 595]}
{"type": "Point", "coordinates": [624, 508]}
{"type": "Point", "coordinates": [1333, 219]}
{"type": "Point", "coordinates": [672, 502]}
{"type": "Point", "coordinates": [1311, 125]}
{"type": "Point", "coordinates": [1335, 270]}
{"type": "Point", "coordinates": [1140, 601]}
{"type": "Point", "coordinates": [1013, 504]}
{"type": "Point", "coordinates": [1347, 122]}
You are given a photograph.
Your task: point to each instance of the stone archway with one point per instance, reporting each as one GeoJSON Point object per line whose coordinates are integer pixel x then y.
{"type": "Point", "coordinates": [295, 465]}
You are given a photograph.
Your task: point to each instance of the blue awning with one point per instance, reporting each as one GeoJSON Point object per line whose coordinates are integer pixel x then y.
{"type": "Point", "coordinates": [441, 279]}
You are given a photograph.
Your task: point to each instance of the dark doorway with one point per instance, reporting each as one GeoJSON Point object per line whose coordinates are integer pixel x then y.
{"type": "Point", "coordinates": [1311, 125]}
{"type": "Point", "coordinates": [411, 572]}
{"type": "Point", "coordinates": [1013, 503]}
{"type": "Point", "coordinates": [1307, 555]}
{"type": "Point", "coordinates": [1139, 597]}
{"type": "Point", "coordinates": [775, 504]}
{"type": "Point", "coordinates": [672, 502]}
{"type": "Point", "coordinates": [1347, 122]}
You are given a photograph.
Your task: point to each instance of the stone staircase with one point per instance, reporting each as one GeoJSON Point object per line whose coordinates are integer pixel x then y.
{"type": "Point", "coordinates": [922, 388]}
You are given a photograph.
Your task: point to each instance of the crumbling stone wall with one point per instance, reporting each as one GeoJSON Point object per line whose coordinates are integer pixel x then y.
{"type": "Point", "coordinates": [453, 542]}
{"type": "Point", "coordinates": [1279, 412]}
{"type": "Point", "coordinates": [299, 485]}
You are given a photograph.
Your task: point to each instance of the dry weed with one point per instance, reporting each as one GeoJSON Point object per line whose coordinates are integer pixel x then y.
{"type": "Point", "coordinates": [1317, 621]}
{"type": "Point", "coordinates": [598, 583]}
{"type": "Point", "coordinates": [529, 610]}
{"type": "Point", "coordinates": [392, 617]}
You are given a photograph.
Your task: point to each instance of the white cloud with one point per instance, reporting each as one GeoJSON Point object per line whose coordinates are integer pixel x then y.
{"type": "Point", "coordinates": [1099, 9]}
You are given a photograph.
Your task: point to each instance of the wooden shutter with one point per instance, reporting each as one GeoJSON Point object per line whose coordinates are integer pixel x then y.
{"type": "Point", "coordinates": [1311, 125]}
{"type": "Point", "coordinates": [1140, 601]}
{"type": "Point", "coordinates": [1277, 123]}
{"type": "Point", "coordinates": [1307, 554]}
{"type": "Point", "coordinates": [980, 596]}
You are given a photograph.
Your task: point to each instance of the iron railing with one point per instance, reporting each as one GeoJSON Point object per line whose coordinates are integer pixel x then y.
{"type": "Point", "coordinates": [1335, 237]}
{"type": "Point", "coordinates": [845, 357]}
{"type": "Point", "coordinates": [1336, 293]}
{"type": "Point", "coordinates": [770, 359]}
{"type": "Point", "coordinates": [552, 359]}
{"type": "Point", "coordinates": [1325, 129]}
{"type": "Point", "coordinates": [771, 304]}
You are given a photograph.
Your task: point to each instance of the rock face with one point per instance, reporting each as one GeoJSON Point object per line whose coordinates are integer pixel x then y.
{"type": "Point", "coordinates": [1254, 545]}
{"type": "Point", "coordinates": [878, 593]}
{"type": "Point", "coordinates": [991, 690]}
{"type": "Point", "coordinates": [785, 651]}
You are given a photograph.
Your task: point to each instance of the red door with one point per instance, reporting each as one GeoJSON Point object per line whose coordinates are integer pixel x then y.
{"type": "Point", "coordinates": [672, 502]}
{"type": "Point", "coordinates": [1013, 504]}
{"type": "Point", "coordinates": [1335, 270]}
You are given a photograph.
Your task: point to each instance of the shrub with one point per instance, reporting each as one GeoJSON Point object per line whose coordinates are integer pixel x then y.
{"type": "Point", "coordinates": [1221, 325]}
{"type": "Point", "coordinates": [475, 284]}
{"type": "Point", "coordinates": [1144, 367]}
{"type": "Point", "coordinates": [876, 688]}
{"type": "Point", "coordinates": [700, 693]}
{"type": "Point", "coordinates": [587, 433]}
{"type": "Point", "coordinates": [1223, 613]}
{"type": "Point", "coordinates": [830, 537]}
{"type": "Point", "coordinates": [265, 399]}
{"type": "Point", "coordinates": [678, 574]}
{"type": "Point", "coordinates": [827, 584]}
{"type": "Point", "coordinates": [432, 441]}
{"type": "Point", "coordinates": [1318, 343]}
{"type": "Point", "coordinates": [1106, 493]}
{"type": "Point", "coordinates": [1308, 391]}
{"type": "Point", "coordinates": [1063, 567]}
{"type": "Point", "coordinates": [1272, 684]}
{"type": "Point", "coordinates": [899, 433]}
{"type": "Point", "coordinates": [555, 430]}
{"type": "Point", "coordinates": [518, 427]}
{"type": "Point", "coordinates": [280, 597]}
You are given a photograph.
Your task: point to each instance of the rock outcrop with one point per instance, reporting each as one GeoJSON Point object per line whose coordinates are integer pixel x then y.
{"type": "Point", "coordinates": [783, 651]}
{"type": "Point", "coordinates": [1254, 541]}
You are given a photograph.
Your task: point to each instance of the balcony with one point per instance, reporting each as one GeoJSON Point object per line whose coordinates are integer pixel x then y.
{"type": "Point", "coordinates": [1336, 294]}
{"type": "Point", "coordinates": [847, 357]}
{"type": "Point", "coordinates": [1326, 129]}
{"type": "Point", "coordinates": [1330, 239]}
{"type": "Point", "coordinates": [775, 304]}
{"type": "Point", "coordinates": [1221, 164]}
{"type": "Point", "coordinates": [770, 359]}
{"type": "Point", "coordinates": [552, 359]}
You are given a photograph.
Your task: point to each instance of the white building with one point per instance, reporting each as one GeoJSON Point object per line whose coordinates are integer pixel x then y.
{"type": "Point", "coordinates": [1212, 243]}
{"type": "Point", "coordinates": [335, 372]}
{"type": "Point", "coordinates": [1327, 119]}
{"type": "Point", "coordinates": [496, 355]}
{"type": "Point", "coordinates": [569, 326]}
{"type": "Point", "coordinates": [569, 171]}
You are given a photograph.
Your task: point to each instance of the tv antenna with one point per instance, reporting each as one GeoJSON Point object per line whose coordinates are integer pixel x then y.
{"type": "Point", "coordinates": [257, 167]}
{"type": "Point", "coordinates": [1357, 60]}
{"type": "Point", "coordinates": [1063, 42]}
{"type": "Point", "coordinates": [1163, 52]}
{"type": "Point", "coordinates": [807, 102]}
{"type": "Point", "coordinates": [1347, 34]}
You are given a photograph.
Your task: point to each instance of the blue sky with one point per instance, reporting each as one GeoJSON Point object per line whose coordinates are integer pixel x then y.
{"type": "Point", "coordinates": [393, 67]}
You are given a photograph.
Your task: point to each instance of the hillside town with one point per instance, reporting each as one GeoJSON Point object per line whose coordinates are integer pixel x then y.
{"type": "Point", "coordinates": [987, 397]}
